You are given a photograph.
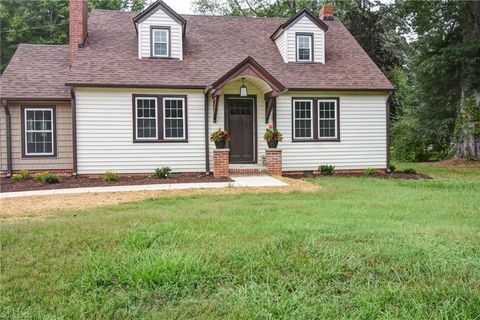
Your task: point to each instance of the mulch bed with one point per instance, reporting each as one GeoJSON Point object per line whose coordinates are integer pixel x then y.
{"type": "Point", "coordinates": [384, 175]}
{"type": "Point", "coordinates": [8, 185]}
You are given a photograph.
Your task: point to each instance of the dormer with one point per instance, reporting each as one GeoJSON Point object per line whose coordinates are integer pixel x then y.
{"type": "Point", "coordinates": [302, 38]}
{"type": "Point", "coordinates": [160, 32]}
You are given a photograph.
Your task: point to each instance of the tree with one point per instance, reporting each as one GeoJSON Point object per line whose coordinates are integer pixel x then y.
{"type": "Point", "coordinates": [447, 68]}
{"type": "Point", "coordinates": [44, 21]}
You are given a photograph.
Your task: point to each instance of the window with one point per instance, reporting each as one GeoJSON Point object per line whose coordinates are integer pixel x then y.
{"type": "Point", "coordinates": [304, 47]}
{"type": "Point", "coordinates": [160, 42]}
{"type": "Point", "coordinates": [174, 119]}
{"type": "Point", "coordinates": [302, 119]}
{"type": "Point", "coordinates": [327, 115]}
{"type": "Point", "coordinates": [39, 131]}
{"type": "Point", "coordinates": [146, 112]}
{"type": "Point", "coordinates": [159, 118]}
{"type": "Point", "coordinates": [319, 123]}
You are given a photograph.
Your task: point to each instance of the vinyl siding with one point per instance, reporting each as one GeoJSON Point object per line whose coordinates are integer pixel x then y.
{"type": "Point", "coordinates": [160, 19]}
{"type": "Point", "coordinates": [233, 89]}
{"type": "Point", "coordinates": [63, 160]}
{"type": "Point", "coordinates": [105, 134]}
{"type": "Point", "coordinates": [363, 135]}
{"type": "Point", "coordinates": [282, 46]}
{"type": "Point", "coordinates": [305, 25]}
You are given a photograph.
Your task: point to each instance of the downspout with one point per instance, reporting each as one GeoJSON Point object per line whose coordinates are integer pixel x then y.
{"type": "Point", "coordinates": [74, 131]}
{"type": "Point", "coordinates": [9, 138]}
{"type": "Point", "coordinates": [207, 144]}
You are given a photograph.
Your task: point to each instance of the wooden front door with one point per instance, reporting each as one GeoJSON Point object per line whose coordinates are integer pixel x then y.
{"type": "Point", "coordinates": [240, 120]}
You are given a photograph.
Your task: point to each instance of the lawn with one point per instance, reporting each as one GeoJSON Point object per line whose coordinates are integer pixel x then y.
{"type": "Point", "coordinates": [361, 248]}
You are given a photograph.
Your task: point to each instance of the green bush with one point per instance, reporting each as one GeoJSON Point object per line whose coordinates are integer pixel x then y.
{"type": "Point", "coordinates": [162, 172]}
{"type": "Point", "coordinates": [110, 176]}
{"type": "Point", "coordinates": [22, 175]}
{"type": "Point", "coordinates": [326, 170]}
{"type": "Point", "coordinates": [409, 171]}
{"type": "Point", "coordinates": [369, 172]}
{"type": "Point", "coordinates": [51, 178]}
{"type": "Point", "coordinates": [46, 177]}
{"type": "Point", "coordinates": [17, 177]}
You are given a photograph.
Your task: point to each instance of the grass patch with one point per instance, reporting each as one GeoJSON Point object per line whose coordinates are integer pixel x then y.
{"type": "Point", "coordinates": [360, 248]}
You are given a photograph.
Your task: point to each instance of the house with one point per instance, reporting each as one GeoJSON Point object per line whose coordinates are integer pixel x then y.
{"type": "Point", "coordinates": [132, 92]}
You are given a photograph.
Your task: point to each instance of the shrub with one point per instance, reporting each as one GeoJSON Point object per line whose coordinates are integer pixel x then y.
{"type": "Point", "coordinates": [40, 176]}
{"type": "Point", "coordinates": [392, 168]}
{"type": "Point", "coordinates": [22, 175]}
{"type": "Point", "coordinates": [17, 177]}
{"type": "Point", "coordinates": [46, 177]}
{"type": "Point", "coordinates": [110, 176]}
{"type": "Point", "coordinates": [326, 170]}
{"type": "Point", "coordinates": [370, 172]}
{"type": "Point", "coordinates": [51, 178]}
{"type": "Point", "coordinates": [220, 135]}
{"type": "Point", "coordinates": [409, 171]}
{"type": "Point", "coordinates": [162, 172]}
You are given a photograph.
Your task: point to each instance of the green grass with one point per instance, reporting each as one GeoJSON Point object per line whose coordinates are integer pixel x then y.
{"type": "Point", "coordinates": [362, 248]}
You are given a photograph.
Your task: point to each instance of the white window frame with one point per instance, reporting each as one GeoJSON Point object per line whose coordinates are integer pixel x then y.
{"type": "Point", "coordinates": [295, 118]}
{"type": "Point", "coordinates": [310, 49]}
{"type": "Point", "coordinates": [167, 31]}
{"type": "Point", "coordinates": [137, 117]}
{"type": "Point", "coordinates": [52, 131]}
{"type": "Point", "coordinates": [165, 118]}
{"type": "Point", "coordinates": [335, 108]}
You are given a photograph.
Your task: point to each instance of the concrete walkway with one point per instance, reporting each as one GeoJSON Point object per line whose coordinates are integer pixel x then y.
{"type": "Point", "coordinates": [247, 181]}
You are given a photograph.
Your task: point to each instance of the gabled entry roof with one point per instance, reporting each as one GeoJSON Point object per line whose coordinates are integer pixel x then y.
{"type": "Point", "coordinates": [248, 67]}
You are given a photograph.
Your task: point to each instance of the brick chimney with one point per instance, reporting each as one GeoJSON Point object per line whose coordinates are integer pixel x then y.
{"type": "Point", "coordinates": [77, 26]}
{"type": "Point", "coordinates": [326, 12]}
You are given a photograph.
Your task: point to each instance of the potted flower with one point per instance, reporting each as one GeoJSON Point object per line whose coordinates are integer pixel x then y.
{"type": "Point", "coordinates": [272, 136]}
{"type": "Point", "coordinates": [220, 137]}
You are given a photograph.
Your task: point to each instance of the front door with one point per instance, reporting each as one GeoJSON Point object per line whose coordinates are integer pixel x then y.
{"type": "Point", "coordinates": [241, 123]}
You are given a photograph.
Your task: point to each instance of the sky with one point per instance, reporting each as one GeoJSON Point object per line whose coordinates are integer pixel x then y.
{"type": "Point", "coordinates": [180, 6]}
{"type": "Point", "coordinates": [185, 6]}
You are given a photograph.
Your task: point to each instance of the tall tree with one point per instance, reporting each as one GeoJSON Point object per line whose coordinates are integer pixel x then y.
{"type": "Point", "coordinates": [44, 21]}
{"type": "Point", "coordinates": [447, 67]}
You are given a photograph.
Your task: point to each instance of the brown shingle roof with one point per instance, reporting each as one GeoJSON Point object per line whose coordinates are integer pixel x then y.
{"type": "Point", "coordinates": [36, 71]}
{"type": "Point", "coordinates": [212, 46]}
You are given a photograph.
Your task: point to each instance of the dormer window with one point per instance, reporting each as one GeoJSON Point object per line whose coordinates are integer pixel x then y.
{"type": "Point", "coordinates": [304, 47]}
{"type": "Point", "coordinates": [160, 42]}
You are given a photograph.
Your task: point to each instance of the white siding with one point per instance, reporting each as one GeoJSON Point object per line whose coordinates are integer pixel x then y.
{"type": "Point", "coordinates": [105, 134]}
{"type": "Point", "coordinates": [160, 19]}
{"type": "Point", "coordinates": [305, 25]}
{"type": "Point", "coordinates": [362, 133]}
{"type": "Point", "coordinates": [282, 46]}
{"type": "Point", "coordinates": [233, 89]}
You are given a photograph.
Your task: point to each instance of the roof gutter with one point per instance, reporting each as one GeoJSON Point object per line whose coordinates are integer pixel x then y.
{"type": "Point", "coordinates": [9, 138]}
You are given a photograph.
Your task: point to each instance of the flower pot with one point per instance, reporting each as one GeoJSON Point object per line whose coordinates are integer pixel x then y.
{"type": "Point", "coordinates": [272, 144]}
{"type": "Point", "coordinates": [220, 144]}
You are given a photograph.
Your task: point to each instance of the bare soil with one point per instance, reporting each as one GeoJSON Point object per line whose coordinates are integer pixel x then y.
{"type": "Point", "coordinates": [455, 163]}
{"type": "Point", "coordinates": [66, 181]}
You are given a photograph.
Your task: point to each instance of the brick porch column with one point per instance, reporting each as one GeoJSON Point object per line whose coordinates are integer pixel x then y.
{"type": "Point", "coordinates": [273, 161]}
{"type": "Point", "coordinates": [221, 163]}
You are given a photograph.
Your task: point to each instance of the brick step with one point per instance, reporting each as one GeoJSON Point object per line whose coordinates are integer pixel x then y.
{"type": "Point", "coordinates": [247, 171]}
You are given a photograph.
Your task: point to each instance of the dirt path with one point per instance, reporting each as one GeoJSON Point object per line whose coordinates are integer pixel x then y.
{"type": "Point", "coordinates": [44, 207]}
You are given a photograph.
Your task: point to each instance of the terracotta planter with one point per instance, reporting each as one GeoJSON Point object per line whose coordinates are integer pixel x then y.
{"type": "Point", "coordinates": [220, 144]}
{"type": "Point", "coordinates": [272, 144]}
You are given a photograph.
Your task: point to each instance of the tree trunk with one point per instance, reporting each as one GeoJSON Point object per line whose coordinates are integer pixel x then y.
{"type": "Point", "coordinates": [468, 144]}
{"type": "Point", "coordinates": [468, 118]}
